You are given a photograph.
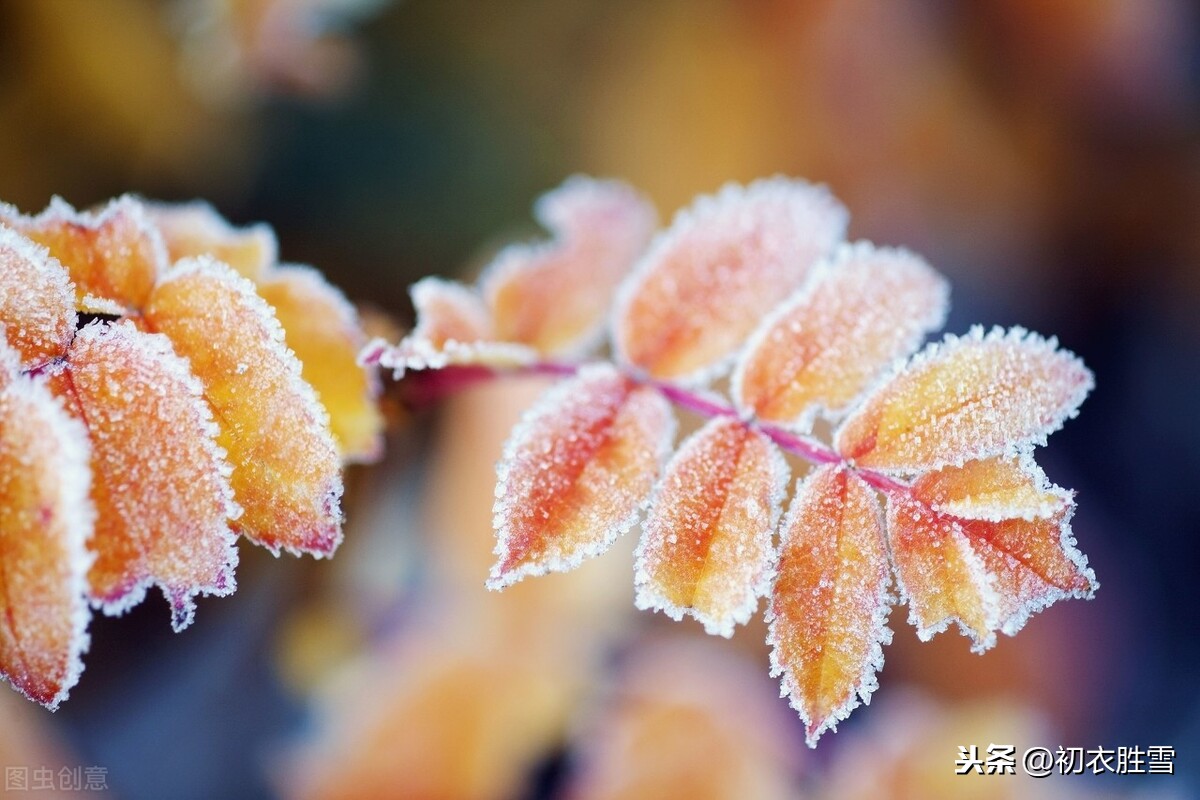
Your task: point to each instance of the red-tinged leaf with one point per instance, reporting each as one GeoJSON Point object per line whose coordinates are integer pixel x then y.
{"type": "Point", "coordinates": [707, 281]}
{"type": "Point", "coordinates": [45, 520]}
{"type": "Point", "coordinates": [830, 602]}
{"type": "Point", "coordinates": [555, 296]}
{"type": "Point", "coordinates": [967, 398]}
{"type": "Point", "coordinates": [941, 576]}
{"type": "Point", "coordinates": [576, 473]}
{"type": "Point", "coordinates": [454, 328]}
{"type": "Point", "coordinates": [823, 347]}
{"type": "Point", "coordinates": [706, 547]}
{"type": "Point", "coordinates": [160, 483]}
{"type": "Point", "coordinates": [196, 229]}
{"type": "Point", "coordinates": [286, 470]}
{"type": "Point", "coordinates": [1035, 562]}
{"type": "Point", "coordinates": [992, 489]}
{"type": "Point", "coordinates": [322, 329]}
{"type": "Point", "coordinates": [114, 256]}
{"type": "Point", "coordinates": [37, 302]}
{"type": "Point", "coordinates": [1015, 568]}
{"type": "Point", "coordinates": [1019, 524]}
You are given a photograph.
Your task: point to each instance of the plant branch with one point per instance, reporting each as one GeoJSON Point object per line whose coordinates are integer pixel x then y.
{"type": "Point", "coordinates": [426, 386]}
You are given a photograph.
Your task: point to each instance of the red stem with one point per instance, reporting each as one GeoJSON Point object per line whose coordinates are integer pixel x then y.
{"type": "Point", "coordinates": [433, 384]}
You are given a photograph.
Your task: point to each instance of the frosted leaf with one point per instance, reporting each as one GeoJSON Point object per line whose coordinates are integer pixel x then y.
{"type": "Point", "coordinates": [966, 398]}
{"type": "Point", "coordinates": [992, 489]}
{"type": "Point", "coordinates": [114, 255]}
{"type": "Point", "coordinates": [576, 473]}
{"type": "Point", "coordinates": [820, 349]}
{"type": "Point", "coordinates": [37, 301]}
{"type": "Point", "coordinates": [196, 229]}
{"type": "Point", "coordinates": [322, 329]}
{"type": "Point", "coordinates": [1036, 564]}
{"type": "Point", "coordinates": [707, 281]}
{"type": "Point", "coordinates": [454, 328]}
{"type": "Point", "coordinates": [706, 547]}
{"type": "Point", "coordinates": [286, 469]}
{"type": "Point", "coordinates": [555, 296]}
{"type": "Point", "coordinates": [940, 575]}
{"type": "Point", "coordinates": [160, 484]}
{"type": "Point", "coordinates": [986, 575]}
{"type": "Point", "coordinates": [830, 602]}
{"type": "Point", "coordinates": [45, 521]}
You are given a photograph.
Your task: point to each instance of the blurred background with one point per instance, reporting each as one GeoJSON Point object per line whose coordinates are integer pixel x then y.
{"type": "Point", "coordinates": [1044, 155]}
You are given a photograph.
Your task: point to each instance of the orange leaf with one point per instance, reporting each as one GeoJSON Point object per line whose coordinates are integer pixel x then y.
{"type": "Point", "coordinates": [987, 575]}
{"type": "Point", "coordinates": [114, 256]}
{"type": "Point", "coordinates": [1019, 524]}
{"type": "Point", "coordinates": [160, 484]}
{"type": "Point", "coordinates": [823, 347]}
{"type": "Point", "coordinates": [1035, 562]}
{"type": "Point", "coordinates": [941, 577]}
{"type": "Point", "coordinates": [829, 604]}
{"type": "Point", "coordinates": [555, 296]}
{"type": "Point", "coordinates": [196, 229]}
{"type": "Point", "coordinates": [707, 281]}
{"type": "Point", "coordinates": [286, 470]}
{"type": "Point", "coordinates": [706, 548]}
{"type": "Point", "coordinates": [37, 302]}
{"type": "Point", "coordinates": [454, 327]}
{"type": "Point", "coordinates": [45, 520]}
{"type": "Point", "coordinates": [992, 489]}
{"type": "Point", "coordinates": [967, 398]}
{"type": "Point", "coordinates": [322, 328]}
{"type": "Point", "coordinates": [576, 473]}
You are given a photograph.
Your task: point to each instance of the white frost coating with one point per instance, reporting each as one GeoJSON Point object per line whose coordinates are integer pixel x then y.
{"type": "Point", "coordinates": [314, 279]}
{"type": "Point", "coordinates": [1052, 500]}
{"type": "Point", "coordinates": [346, 321]}
{"type": "Point", "coordinates": [75, 479]}
{"type": "Point", "coordinates": [1003, 423]}
{"type": "Point", "coordinates": [202, 214]}
{"type": "Point", "coordinates": [60, 211]}
{"type": "Point", "coordinates": [557, 403]}
{"type": "Point", "coordinates": [93, 304]}
{"type": "Point", "coordinates": [564, 211]}
{"type": "Point", "coordinates": [174, 372]}
{"type": "Point", "coordinates": [454, 328]}
{"type": "Point", "coordinates": [581, 208]}
{"type": "Point", "coordinates": [817, 222]}
{"type": "Point", "coordinates": [1016, 620]}
{"type": "Point", "coordinates": [855, 269]}
{"type": "Point", "coordinates": [421, 354]}
{"type": "Point", "coordinates": [51, 314]}
{"type": "Point", "coordinates": [302, 390]}
{"type": "Point", "coordinates": [981, 580]}
{"type": "Point", "coordinates": [879, 633]}
{"type": "Point", "coordinates": [465, 302]}
{"type": "Point", "coordinates": [655, 543]}
{"type": "Point", "coordinates": [1042, 595]}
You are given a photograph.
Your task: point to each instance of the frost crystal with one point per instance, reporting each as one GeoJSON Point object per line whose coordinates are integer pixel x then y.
{"type": "Point", "coordinates": [286, 470]}
{"type": "Point", "coordinates": [706, 547]}
{"type": "Point", "coordinates": [967, 398]}
{"type": "Point", "coordinates": [707, 280]}
{"type": "Point", "coordinates": [821, 348]}
{"type": "Point", "coordinates": [45, 521]}
{"type": "Point", "coordinates": [974, 532]}
{"type": "Point", "coordinates": [160, 483]}
{"type": "Point", "coordinates": [576, 473]}
{"type": "Point", "coordinates": [829, 604]}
